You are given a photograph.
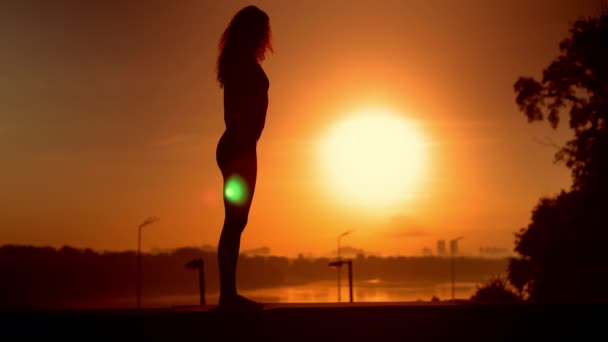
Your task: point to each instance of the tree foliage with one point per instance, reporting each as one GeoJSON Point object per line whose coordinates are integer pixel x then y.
{"type": "Point", "coordinates": [496, 290]}
{"type": "Point", "coordinates": [570, 229]}
{"type": "Point", "coordinates": [576, 82]}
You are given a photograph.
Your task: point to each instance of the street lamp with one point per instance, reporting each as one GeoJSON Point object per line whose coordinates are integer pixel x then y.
{"type": "Point", "coordinates": [199, 264]}
{"type": "Point", "coordinates": [147, 222]}
{"type": "Point", "coordinates": [338, 263]}
{"type": "Point", "coordinates": [453, 250]}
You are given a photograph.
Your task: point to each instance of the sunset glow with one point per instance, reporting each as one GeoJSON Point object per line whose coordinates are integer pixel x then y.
{"type": "Point", "coordinates": [374, 159]}
{"type": "Point", "coordinates": [396, 119]}
{"type": "Point", "coordinates": [310, 170]}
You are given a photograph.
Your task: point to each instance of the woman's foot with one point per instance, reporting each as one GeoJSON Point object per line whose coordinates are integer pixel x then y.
{"type": "Point", "coordinates": [238, 303]}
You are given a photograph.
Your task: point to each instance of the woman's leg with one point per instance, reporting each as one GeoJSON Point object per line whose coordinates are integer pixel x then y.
{"type": "Point", "coordinates": [235, 220]}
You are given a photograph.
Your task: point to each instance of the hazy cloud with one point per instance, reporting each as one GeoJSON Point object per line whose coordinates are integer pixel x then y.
{"type": "Point", "coordinates": [407, 227]}
{"type": "Point", "coordinates": [352, 252]}
{"type": "Point", "coordinates": [259, 251]}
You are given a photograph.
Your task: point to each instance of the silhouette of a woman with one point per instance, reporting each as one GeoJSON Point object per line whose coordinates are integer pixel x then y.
{"type": "Point", "coordinates": [242, 48]}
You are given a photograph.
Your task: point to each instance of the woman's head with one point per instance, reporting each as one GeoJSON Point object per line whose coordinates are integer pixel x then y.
{"type": "Point", "coordinates": [247, 37]}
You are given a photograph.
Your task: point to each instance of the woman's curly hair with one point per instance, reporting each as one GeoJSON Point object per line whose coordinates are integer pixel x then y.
{"type": "Point", "coordinates": [248, 36]}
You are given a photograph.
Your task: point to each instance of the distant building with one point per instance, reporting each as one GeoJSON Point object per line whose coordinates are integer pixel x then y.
{"type": "Point", "coordinates": [441, 248]}
{"type": "Point", "coordinates": [453, 247]}
{"type": "Point", "coordinates": [427, 252]}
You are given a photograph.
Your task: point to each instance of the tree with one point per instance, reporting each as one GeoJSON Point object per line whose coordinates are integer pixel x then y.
{"type": "Point", "coordinates": [577, 80]}
{"type": "Point", "coordinates": [496, 290]}
{"type": "Point", "coordinates": [570, 229]}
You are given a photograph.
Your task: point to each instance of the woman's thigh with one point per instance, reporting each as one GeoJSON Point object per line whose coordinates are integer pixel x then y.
{"type": "Point", "coordinates": [239, 172]}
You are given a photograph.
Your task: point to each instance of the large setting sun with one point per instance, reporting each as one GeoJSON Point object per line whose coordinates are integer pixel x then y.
{"type": "Point", "coordinates": [374, 159]}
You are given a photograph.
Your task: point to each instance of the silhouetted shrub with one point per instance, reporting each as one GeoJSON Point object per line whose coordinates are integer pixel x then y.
{"type": "Point", "coordinates": [496, 290]}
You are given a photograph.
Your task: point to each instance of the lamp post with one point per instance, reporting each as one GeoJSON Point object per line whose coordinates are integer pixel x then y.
{"type": "Point", "coordinates": [147, 222]}
{"type": "Point", "coordinates": [199, 264]}
{"type": "Point", "coordinates": [339, 262]}
{"type": "Point", "coordinates": [453, 247]}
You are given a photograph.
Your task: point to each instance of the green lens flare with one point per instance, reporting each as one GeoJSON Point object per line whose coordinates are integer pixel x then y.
{"type": "Point", "coordinates": [236, 190]}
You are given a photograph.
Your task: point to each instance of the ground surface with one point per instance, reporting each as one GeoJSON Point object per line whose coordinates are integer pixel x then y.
{"type": "Point", "coordinates": [456, 321]}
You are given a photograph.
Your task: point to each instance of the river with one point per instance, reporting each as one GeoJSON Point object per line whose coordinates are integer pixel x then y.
{"type": "Point", "coordinates": [325, 292]}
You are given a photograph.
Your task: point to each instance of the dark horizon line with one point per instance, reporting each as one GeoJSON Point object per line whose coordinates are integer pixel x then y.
{"type": "Point", "coordinates": [213, 250]}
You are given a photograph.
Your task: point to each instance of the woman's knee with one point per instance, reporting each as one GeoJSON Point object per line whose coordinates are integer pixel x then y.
{"type": "Point", "coordinates": [236, 223]}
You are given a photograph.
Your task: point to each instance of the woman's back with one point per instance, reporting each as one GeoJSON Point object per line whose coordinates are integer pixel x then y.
{"type": "Point", "coordinates": [245, 100]}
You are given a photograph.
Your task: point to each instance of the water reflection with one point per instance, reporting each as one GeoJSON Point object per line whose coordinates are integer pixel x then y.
{"type": "Point", "coordinates": [373, 290]}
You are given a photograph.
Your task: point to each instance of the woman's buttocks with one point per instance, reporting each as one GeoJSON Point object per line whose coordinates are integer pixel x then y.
{"type": "Point", "coordinates": [232, 147]}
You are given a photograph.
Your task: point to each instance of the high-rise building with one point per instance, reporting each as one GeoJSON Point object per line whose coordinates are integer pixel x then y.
{"type": "Point", "coordinates": [441, 248]}
{"type": "Point", "coordinates": [453, 247]}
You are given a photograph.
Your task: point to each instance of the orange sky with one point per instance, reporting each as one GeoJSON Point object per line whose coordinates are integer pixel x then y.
{"type": "Point", "coordinates": [111, 113]}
